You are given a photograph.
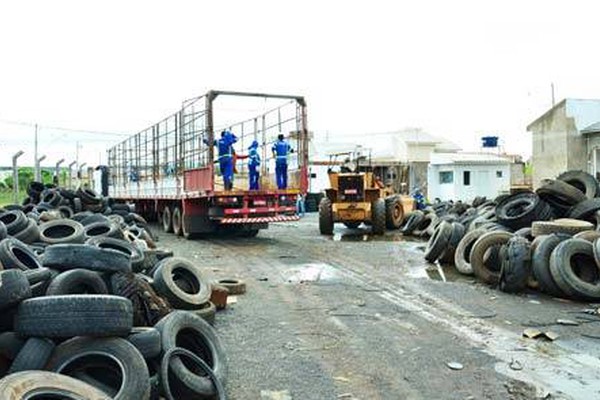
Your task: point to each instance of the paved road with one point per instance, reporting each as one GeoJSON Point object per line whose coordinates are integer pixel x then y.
{"type": "Point", "coordinates": [357, 317]}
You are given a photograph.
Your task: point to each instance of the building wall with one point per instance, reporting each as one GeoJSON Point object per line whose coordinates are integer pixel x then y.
{"type": "Point", "coordinates": [417, 177]}
{"type": "Point", "coordinates": [551, 140]}
{"type": "Point", "coordinates": [483, 181]}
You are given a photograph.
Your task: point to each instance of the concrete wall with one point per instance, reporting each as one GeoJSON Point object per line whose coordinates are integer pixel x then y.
{"type": "Point", "coordinates": [483, 181]}
{"type": "Point", "coordinates": [419, 152]}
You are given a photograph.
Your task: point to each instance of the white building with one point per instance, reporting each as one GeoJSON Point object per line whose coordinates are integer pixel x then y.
{"type": "Point", "coordinates": [464, 176]}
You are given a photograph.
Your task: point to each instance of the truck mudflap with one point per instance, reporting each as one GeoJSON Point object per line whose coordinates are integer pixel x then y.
{"type": "Point", "coordinates": [259, 220]}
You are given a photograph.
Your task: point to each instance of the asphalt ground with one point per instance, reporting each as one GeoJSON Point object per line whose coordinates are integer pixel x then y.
{"type": "Point", "coordinates": [355, 316]}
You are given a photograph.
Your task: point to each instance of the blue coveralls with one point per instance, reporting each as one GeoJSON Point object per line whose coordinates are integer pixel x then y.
{"type": "Point", "coordinates": [281, 148]}
{"type": "Point", "coordinates": [253, 165]}
{"type": "Point", "coordinates": [225, 146]}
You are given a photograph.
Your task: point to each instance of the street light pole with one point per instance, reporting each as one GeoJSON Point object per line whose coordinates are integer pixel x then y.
{"type": "Point", "coordinates": [57, 170]}
{"type": "Point", "coordinates": [71, 174]}
{"type": "Point", "coordinates": [38, 172]}
{"type": "Point", "coordinates": [16, 176]}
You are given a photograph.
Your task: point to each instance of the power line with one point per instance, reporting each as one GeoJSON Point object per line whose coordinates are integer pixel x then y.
{"type": "Point", "coordinates": [32, 125]}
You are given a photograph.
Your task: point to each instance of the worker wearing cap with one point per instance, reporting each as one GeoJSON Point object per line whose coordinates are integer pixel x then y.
{"type": "Point", "coordinates": [253, 165]}
{"type": "Point", "coordinates": [281, 149]}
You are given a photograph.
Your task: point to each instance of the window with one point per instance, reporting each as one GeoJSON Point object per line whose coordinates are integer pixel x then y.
{"type": "Point", "coordinates": [446, 177]}
{"type": "Point", "coordinates": [498, 174]}
{"type": "Point", "coordinates": [467, 178]}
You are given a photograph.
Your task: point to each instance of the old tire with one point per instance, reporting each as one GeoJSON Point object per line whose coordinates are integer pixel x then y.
{"type": "Point", "coordinates": [184, 329]}
{"type": "Point", "coordinates": [207, 312]}
{"type": "Point", "coordinates": [590, 236]}
{"type": "Point", "coordinates": [569, 261]}
{"type": "Point", "coordinates": [30, 234]}
{"type": "Point", "coordinates": [520, 210]}
{"type": "Point", "coordinates": [413, 219]}
{"type": "Point", "coordinates": [438, 242]}
{"type": "Point", "coordinates": [133, 252]}
{"type": "Point", "coordinates": [586, 209]}
{"type": "Point", "coordinates": [182, 283]}
{"type": "Point", "coordinates": [112, 364]}
{"type": "Point", "coordinates": [47, 385]}
{"type": "Point", "coordinates": [581, 180]}
{"type": "Point", "coordinates": [480, 247]}
{"type": "Point", "coordinates": [102, 229]}
{"type": "Point", "coordinates": [458, 231]}
{"type": "Point", "coordinates": [394, 212]}
{"type": "Point", "coordinates": [567, 226]}
{"type": "Point", "coordinates": [14, 220]}
{"type": "Point", "coordinates": [77, 281]}
{"type": "Point", "coordinates": [167, 220]}
{"type": "Point", "coordinates": [14, 288]}
{"type": "Point", "coordinates": [540, 263]}
{"type": "Point", "coordinates": [325, 217]}
{"type": "Point", "coordinates": [74, 315]}
{"type": "Point", "coordinates": [516, 265]}
{"type": "Point", "coordinates": [71, 256]}
{"type": "Point", "coordinates": [424, 227]}
{"type": "Point", "coordinates": [233, 286]}
{"type": "Point", "coordinates": [560, 195]}
{"type": "Point", "coordinates": [16, 254]}
{"type": "Point", "coordinates": [34, 355]}
{"type": "Point", "coordinates": [462, 256]}
{"type": "Point", "coordinates": [146, 340]}
{"type": "Point", "coordinates": [62, 231]}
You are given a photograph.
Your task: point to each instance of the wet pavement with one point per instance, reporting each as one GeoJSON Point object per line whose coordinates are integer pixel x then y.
{"type": "Point", "coordinates": [355, 316]}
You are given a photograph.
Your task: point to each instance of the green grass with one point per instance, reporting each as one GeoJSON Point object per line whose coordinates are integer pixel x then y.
{"type": "Point", "coordinates": [6, 197]}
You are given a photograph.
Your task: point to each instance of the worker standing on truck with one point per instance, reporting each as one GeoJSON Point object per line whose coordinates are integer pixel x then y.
{"type": "Point", "coordinates": [253, 164]}
{"type": "Point", "coordinates": [281, 149]}
{"type": "Point", "coordinates": [225, 146]}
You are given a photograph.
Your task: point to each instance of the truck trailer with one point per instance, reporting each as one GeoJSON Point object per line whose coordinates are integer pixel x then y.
{"type": "Point", "coordinates": [170, 171]}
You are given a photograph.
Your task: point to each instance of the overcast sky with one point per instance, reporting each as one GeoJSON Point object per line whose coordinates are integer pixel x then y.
{"type": "Point", "coordinates": [459, 69]}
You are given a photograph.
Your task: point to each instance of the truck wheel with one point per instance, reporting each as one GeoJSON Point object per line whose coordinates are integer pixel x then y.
{"type": "Point", "coordinates": [176, 221]}
{"type": "Point", "coordinates": [378, 216]}
{"type": "Point", "coordinates": [394, 213]}
{"type": "Point", "coordinates": [167, 220]}
{"type": "Point", "coordinates": [325, 217]}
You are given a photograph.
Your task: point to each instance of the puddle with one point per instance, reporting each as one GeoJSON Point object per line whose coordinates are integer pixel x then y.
{"type": "Point", "coordinates": [317, 272]}
{"type": "Point", "coordinates": [357, 235]}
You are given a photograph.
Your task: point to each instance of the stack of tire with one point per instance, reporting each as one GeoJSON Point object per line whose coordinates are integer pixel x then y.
{"type": "Point", "coordinates": [91, 309]}
{"type": "Point", "coordinates": [547, 240]}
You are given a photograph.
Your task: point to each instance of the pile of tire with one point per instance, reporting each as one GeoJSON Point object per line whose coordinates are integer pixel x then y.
{"type": "Point", "coordinates": [90, 308]}
{"type": "Point", "coordinates": [547, 240]}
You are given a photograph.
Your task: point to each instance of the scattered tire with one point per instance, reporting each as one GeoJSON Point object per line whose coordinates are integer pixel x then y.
{"type": "Point", "coordinates": [586, 209]}
{"type": "Point", "coordinates": [93, 218]}
{"type": "Point", "coordinates": [458, 231]}
{"type": "Point", "coordinates": [16, 254]}
{"type": "Point", "coordinates": [136, 255]}
{"type": "Point", "coordinates": [516, 265]}
{"type": "Point", "coordinates": [484, 243]}
{"type": "Point", "coordinates": [574, 269]}
{"type": "Point", "coordinates": [14, 288]}
{"type": "Point", "coordinates": [411, 222]}
{"type": "Point", "coordinates": [438, 242]}
{"type": "Point", "coordinates": [62, 231]}
{"type": "Point", "coordinates": [30, 234]}
{"type": "Point", "coordinates": [521, 209]}
{"type": "Point", "coordinates": [378, 217]}
{"type": "Point", "coordinates": [47, 385]}
{"type": "Point", "coordinates": [74, 315]}
{"type": "Point", "coordinates": [70, 256]}
{"type": "Point", "coordinates": [182, 283]}
{"type": "Point", "coordinates": [111, 364]}
{"type": "Point", "coordinates": [187, 330]}
{"type": "Point", "coordinates": [77, 281]}
{"type": "Point", "coordinates": [207, 312]}
{"type": "Point", "coordinates": [34, 355]}
{"type": "Point", "coordinates": [540, 263]}
{"type": "Point", "coordinates": [427, 222]}
{"type": "Point", "coordinates": [233, 286]}
{"type": "Point", "coordinates": [14, 220]}
{"type": "Point", "coordinates": [560, 195]}
{"type": "Point", "coordinates": [101, 229]}
{"type": "Point", "coordinates": [462, 256]}
{"type": "Point", "coordinates": [567, 226]}
{"type": "Point", "coordinates": [581, 180]}
{"type": "Point", "coordinates": [146, 340]}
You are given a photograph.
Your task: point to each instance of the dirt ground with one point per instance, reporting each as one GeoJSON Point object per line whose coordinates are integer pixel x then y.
{"type": "Point", "coordinates": [359, 317]}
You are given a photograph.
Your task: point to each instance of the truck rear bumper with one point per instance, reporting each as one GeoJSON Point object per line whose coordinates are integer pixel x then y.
{"type": "Point", "coordinates": [259, 220]}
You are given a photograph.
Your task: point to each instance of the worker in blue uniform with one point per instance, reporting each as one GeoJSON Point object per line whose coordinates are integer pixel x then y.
{"type": "Point", "coordinates": [225, 146]}
{"type": "Point", "coordinates": [253, 165]}
{"type": "Point", "coordinates": [281, 149]}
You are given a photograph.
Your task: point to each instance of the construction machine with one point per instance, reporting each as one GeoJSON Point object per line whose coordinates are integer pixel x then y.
{"type": "Point", "coordinates": [356, 195]}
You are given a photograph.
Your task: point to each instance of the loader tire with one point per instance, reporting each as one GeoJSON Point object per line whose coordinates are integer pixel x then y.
{"type": "Point", "coordinates": [325, 217]}
{"type": "Point", "coordinates": [378, 217]}
{"type": "Point", "coordinates": [394, 213]}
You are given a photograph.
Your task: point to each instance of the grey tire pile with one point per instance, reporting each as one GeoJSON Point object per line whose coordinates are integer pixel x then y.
{"type": "Point", "coordinates": [547, 240]}
{"type": "Point", "coordinates": [90, 308]}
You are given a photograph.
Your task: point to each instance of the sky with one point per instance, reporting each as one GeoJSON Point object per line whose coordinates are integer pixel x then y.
{"type": "Point", "coordinates": [459, 69]}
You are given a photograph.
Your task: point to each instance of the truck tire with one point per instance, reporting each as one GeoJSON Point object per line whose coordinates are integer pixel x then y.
{"type": "Point", "coordinates": [34, 355]}
{"type": "Point", "coordinates": [207, 312]}
{"type": "Point", "coordinates": [62, 231]}
{"type": "Point", "coordinates": [378, 217]}
{"type": "Point", "coordinates": [167, 220]}
{"type": "Point", "coordinates": [581, 180]}
{"type": "Point", "coordinates": [394, 212]}
{"type": "Point", "coordinates": [50, 385]}
{"type": "Point", "coordinates": [74, 315]}
{"type": "Point", "coordinates": [77, 281]}
{"type": "Point", "coordinates": [520, 210]}
{"type": "Point", "coordinates": [569, 261]}
{"type": "Point", "coordinates": [100, 229]}
{"type": "Point", "coordinates": [182, 283]}
{"type": "Point", "coordinates": [516, 265]}
{"type": "Point", "coordinates": [586, 209]}
{"type": "Point", "coordinates": [112, 364]}
{"type": "Point", "coordinates": [480, 247]}
{"type": "Point", "coordinates": [16, 254]}
{"type": "Point", "coordinates": [540, 263]}
{"type": "Point", "coordinates": [187, 330]}
{"type": "Point", "coordinates": [325, 217]}
{"type": "Point", "coordinates": [438, 242]}
{"type": "Point", "coordinates": [30, 234]}
{"type": "Point", "coordinates": [70, 256]}
{"type": "Point", "coordinates": [177, 221]}
{"type": "Point", "coordinates": [15, 221]}
{"type": "Point", "coordinates": [134, 252]}
{"type": "Point", "coordinates": [560, 195]}
{"type": "Point", "coordinates": [424, 227]}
